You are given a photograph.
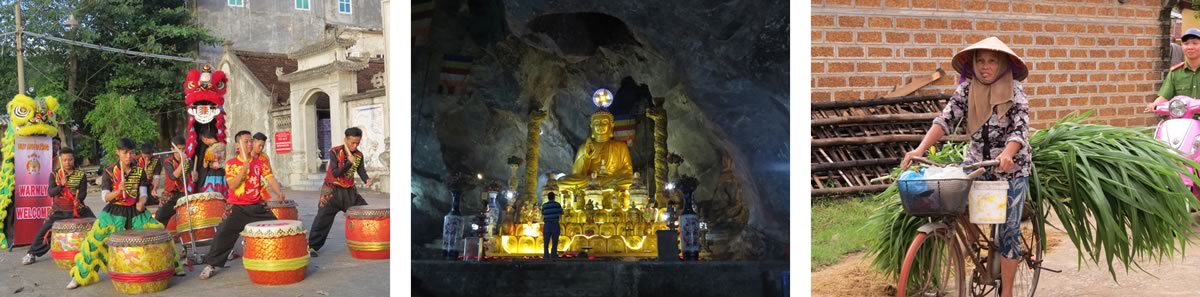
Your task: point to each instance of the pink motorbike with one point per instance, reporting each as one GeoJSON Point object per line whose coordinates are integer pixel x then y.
{"type": "Point", "coordinates": [1181, 130]}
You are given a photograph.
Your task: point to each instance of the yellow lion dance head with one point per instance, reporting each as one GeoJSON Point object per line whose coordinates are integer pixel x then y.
{"type": "Point", "coordinates": [33, 116]}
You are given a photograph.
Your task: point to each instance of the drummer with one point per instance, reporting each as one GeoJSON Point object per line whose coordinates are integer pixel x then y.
{"type": "Point", "coordinates": [153, 169]}
{"type": "Point", "coordinates": [245, 174]}
{"type": "Point", "coordinates": [260, 144]}
{"type": "Point", "coordinates": [338, 192]}
{"type": "Point", "coordinates": [174, 168]}
{"type": "Point", "coordinates": [124, 187]}
{"type": "Point", "coordinates": [68, 188]}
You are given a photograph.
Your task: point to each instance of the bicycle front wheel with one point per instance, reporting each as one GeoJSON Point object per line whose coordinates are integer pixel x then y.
{"type": "Point", "coordinates": [933, 266]}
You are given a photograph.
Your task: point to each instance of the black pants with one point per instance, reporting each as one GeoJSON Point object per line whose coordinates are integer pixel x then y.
{"type": "Point", "coordinates": [40, 247]}
{"type": "Point", "coordinates": [231, 228]}
{"type": "Point", "coordinates": [343, 199]}
{"type": "Point", "coordinates": [167, 209]}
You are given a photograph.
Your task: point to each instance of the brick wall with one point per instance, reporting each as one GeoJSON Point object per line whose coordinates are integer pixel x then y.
{"type": "Point", "coordinates": [1096, 55]}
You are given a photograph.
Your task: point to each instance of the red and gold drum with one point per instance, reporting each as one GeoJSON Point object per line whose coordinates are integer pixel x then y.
{"type": "Point", "coordinates": [284, 210]}
{"type": "Point", "coordinates": [276, 252]}
{"type": "Point", "coordinates": [200, 213]}
{"type": "Point", "coordinates": [367, 231]}
{"type": "Point", "coordinates": [65, 239]}
{"type": "Point", "coordinates": [141, 261]}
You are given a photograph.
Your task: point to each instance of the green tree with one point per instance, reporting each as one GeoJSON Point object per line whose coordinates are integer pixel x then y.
{"type": "Point", "coordinates": [117, 125]}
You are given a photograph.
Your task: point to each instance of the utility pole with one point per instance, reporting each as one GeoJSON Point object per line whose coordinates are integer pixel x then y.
{"type": "Point", "coordinates": [20, 52]}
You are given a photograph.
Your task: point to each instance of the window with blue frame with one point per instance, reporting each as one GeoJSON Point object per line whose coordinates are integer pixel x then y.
{"type": "Point", "coordinates": [236, 3]}
{"type": "Point", "coordinates": [344, 6]}
{"type": "Point", "coordinates": [302, 5]}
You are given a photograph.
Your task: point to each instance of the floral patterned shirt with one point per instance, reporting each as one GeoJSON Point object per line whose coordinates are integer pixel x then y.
{"type": "Point", "coordinates": [1012, 127]}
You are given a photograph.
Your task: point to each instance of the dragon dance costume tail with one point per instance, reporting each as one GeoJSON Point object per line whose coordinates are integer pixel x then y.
{"type": "Point", "coordinates": [93, 253]}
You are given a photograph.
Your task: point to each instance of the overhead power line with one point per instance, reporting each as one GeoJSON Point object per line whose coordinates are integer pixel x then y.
{"type": "Point", "coordinates": [110, 49]}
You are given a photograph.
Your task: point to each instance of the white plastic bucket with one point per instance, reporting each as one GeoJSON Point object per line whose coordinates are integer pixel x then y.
{"type": "Point", "coordinates": [988, 202]}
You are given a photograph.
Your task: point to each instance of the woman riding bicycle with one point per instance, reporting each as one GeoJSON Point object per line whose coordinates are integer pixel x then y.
{"type": "Point", "coordinates": [992, 101]}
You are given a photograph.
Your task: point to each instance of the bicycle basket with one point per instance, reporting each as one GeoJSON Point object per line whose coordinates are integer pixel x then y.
{"type": "Point", "coordinates": [936, 197]}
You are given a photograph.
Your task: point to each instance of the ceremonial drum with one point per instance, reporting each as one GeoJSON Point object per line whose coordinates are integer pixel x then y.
{"type": "Point", "coordinates": [141, 261]}
{"type": "Point", "coordinates": [200, 213]}
{"type": "Point", "coordinates": [64, 243]}
{"type": "Point", "coordinates": [276, 252]}
{"type": "Point", "coordinates": [284, 210]}
{"type": "Point", "coordinates": [367, 231]}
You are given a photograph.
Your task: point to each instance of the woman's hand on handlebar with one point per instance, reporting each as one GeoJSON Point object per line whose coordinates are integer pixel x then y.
{"type": "Point", "coordinates": [1006, 162]}
{"type": "Point", "coordinates": [908, 158]}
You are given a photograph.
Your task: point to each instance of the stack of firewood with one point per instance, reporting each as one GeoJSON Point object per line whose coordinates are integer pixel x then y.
{"type": "Point", "coordinates": [855, 143]}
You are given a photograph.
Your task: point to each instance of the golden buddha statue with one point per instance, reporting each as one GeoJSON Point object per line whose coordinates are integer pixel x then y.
{"type": "Point", "coordinates": [601, 159]}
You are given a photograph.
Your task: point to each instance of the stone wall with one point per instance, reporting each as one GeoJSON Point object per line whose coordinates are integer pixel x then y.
{"type": "Point", "coordinates": [1096, 55]}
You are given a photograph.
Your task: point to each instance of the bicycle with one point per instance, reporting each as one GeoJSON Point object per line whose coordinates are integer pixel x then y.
{"type": "Point", "coordinates": [950, 240]}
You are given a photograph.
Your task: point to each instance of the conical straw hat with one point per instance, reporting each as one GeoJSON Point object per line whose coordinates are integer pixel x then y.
{"type": "Point", "coordinates": [962, 61]}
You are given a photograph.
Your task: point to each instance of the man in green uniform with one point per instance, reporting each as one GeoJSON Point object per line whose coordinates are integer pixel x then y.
{"type": "Point", "coordinates": [1183, 78]}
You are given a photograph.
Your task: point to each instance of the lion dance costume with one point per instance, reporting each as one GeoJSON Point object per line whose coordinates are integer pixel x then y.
{"type": "Point", "coordinates": [28, 117]}
{"type": "Point", "coordinates": [205, 98]}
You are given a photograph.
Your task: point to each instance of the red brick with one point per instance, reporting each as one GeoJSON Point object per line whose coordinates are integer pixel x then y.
{"type": "Point", "coordinates": [862, 81]}
{"type": "Point", "coordinates": [949, 4]}
{"type": "Point", "coordinates": [878, 52]}
{"type": "Point", "coordinates": [1088, 89]}
{"type": "Point", "coordinates": [1022, 7]}
{"type": "Point", "coordinates": [1087, 41]}
{"type": "Point", "coordinates": [1055, 27]}
{"type": "Point", "coordinates": [1126, 13]}
{"type": "Point", "coordinates": [841, 67]}
{"type": "Point", "coordinates": [1066, 66]}
{"type": "Point", "coordinates": [1045, 40]}
{"type": "Point", "coordinates": [898, 67]}
{"type": "Point", "coordinates": [1079, 77]}
{"type": "Point", "coordinates": [850, 52]}
{"type": "Point", "coordinates": [822, 51]}
{"type": "Point", "coordinates": [908, 23]}
{"type": "Point", "coordinates": [1127, 66]}
{"type": "Point", "coordinates": [831, 82]}
{"type": "Point", "coordinates": [1108, 112]}
{"type": "Point", "coordinates": [839, 36]}
{"type": "Point", "coordinates": [1058, 78]}
{"type": "Point", "coordinates": [1116, 53]}
{"type": "Point", "coordinates": [1076, 101]}
{"type": "Point", "coordinates": [986, 26]}
{"type": "Point", "coordinates": [975, 5]}
{"type": "Point", "coordinates": [961, 25]}
{"type": "Point", "coordinates": [1045, 114]}
{"type": "Point", "coordinates": [1145, 13]}
{"type": "Point", "coordinates": [1032, 27]}
{"type": "Point", "coordinates": [1058, 101]}
{"type": "Point", "coordinates": [1044, 66]}
{"type": "Point", "coordinates": [916, 52]}
{"type": "Point", "coordinates": [869, 67]}
{"type": "Point", "coordinates": [1045, 90]}
{"type": "Point", "coordinates": [1022, 40]}
{"type": "Point", "coordinates": [1099, 101]}
{"type": "Point", "coordinates": [925, 37]}
{"type": "Point", "coordinates": [1064, 10]}
{"type": "Point", "coordinates": [921, 67]}
{"type": "Point", "coordinates": [895, 4]}
{"type": "Point", "coordinates": [889, 80]}
{"type": "Point", "coordinates": [1044, 8]}
{"type": "Point", "coordinates": [851, 21]}
{"type": "Point", "coordinates": [1010, 26]}
{"type": "Point", "coordinates": [1037, 103]}
{"type": "Point", "coordinates": [818, 67]}
{"type": "Point", "coordinates": [998, 6]}
{"type": "Point", "coordinates": [870, 37]}
{"type": "Point", "coordinates": [924, 4]}
{"type": "Point", "coordinates": [880, 22]}
{"type": "Point", "coordinates": [1058, 53]}
{"type": "Point", "coordinates": [974, 37]}
{"type": "Point", "coordinates": [1106, 41]}
{"type": "Point", "coordinates": [1116, 29]}
{"type": "Point", "coordinates": [936, 24]}
{"type": "Point", "coordinates": [1127, 88]}
{"type": "Point", "coordinates": [951, 38]}
{"type": "Point", "coordinates": [818, 36]}
{"type": "Point", "coordinates": [867, 3]}
{"type": "Point", "coordinates": [1085, 11]}
{"type": "Point", "coordinates": [1076, 28]}
{"type": "Point", "coordinates": [1126, 41]}
{"type": "Point", "coordinates": [1145, 42]}
{"type": "Point", "coordinates": [839, 2]}
{"type": "Point", "coordinates": [847, 95]}
{"type": "Point", "coordinates": [1100, 77]}
{"type": "Point", "coordinates": [897, 37]}
{"type": "Point", "coordinates": [1068, 90]}
{"type": "Point", "coordinates": [822, 21]}
{"type": "Point", "coordinates": [1135, 30]}
{"type": "Point", "coordinates": [1094, 28]}
{"type": "Point", "coordinates": [1064, 40]}
{"type": "Point", "coordinates": [821, 96]}
{"type": "Point", "coordinates": [1087, 65]}
{"type": "Point", "coordinates": [1107, 11]}
{"type": "Point", "coordinates": [943, 52]}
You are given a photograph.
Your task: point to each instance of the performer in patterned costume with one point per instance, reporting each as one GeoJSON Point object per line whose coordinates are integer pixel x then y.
{"type": "Point", "coordinates": [204, 95]}
{"type": "Point", "coordinates": [125, 187]}
{"type": "Point", "coordinates": [68, 188]}
{"type": "Point", "coordinates": [338, 193]}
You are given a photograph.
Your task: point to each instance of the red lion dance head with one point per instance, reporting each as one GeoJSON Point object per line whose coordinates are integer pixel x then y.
{"type": "Point", "coordinates": [205, 91]}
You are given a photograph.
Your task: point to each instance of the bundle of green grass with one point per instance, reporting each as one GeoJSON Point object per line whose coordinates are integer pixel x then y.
{"type": "Point", "coordinates": [1116, 191]}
